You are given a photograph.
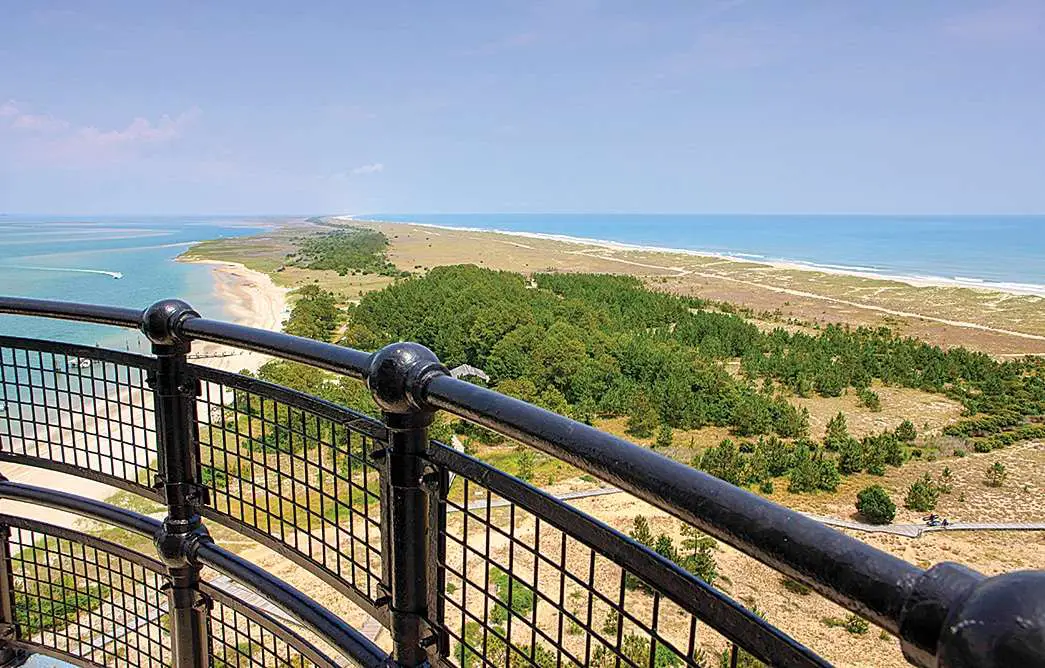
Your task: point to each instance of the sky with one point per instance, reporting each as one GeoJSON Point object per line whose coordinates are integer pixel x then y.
{"type": "Point", "coordinates": [717, 106]}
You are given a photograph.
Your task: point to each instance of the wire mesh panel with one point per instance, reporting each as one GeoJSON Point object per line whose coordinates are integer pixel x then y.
{"type": "Point", "coordinates": [77, 409]}
{"type": "Point", "coordinates": [296, 473]}
{"type": "Point", "coordinates": [243, 636]}
{"type": "Point", "coordinates": [529, 581]}
{"type": "Point", "coordinates": [81, 598]}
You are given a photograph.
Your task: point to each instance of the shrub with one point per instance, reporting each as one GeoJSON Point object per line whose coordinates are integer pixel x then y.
{"type": "Point", "coordinates": [856, 625]}
{"type": "Point", "coordinates": [527, 463]}
{"type": "Point", "coordinates": [723, 461]}
{"type": "Point", "coordinates": [875, 505]}
{"type": "Point", "coordinates": [520, 599]}
{"type": "Point", "coordinates": [643, 418]}
{"type": "Point", "coordinates": [641, 532]}
{"type": "Point", "coordinates": [795, 587]}
{"type": "Point", "coordinates": [869, 399]}
{"type": "Point", "coordinates": [995, 475]}
{"type": "Point", "coordinates": [664, 437]}
{"type": "Point", "coordinates": [922, 495]}
{"type": "Point", "coordinates": [212, 477]}
{"type": "Point", "coordinates": [837, 432]}
{"type": "Point", "coordinates": [906, 431]}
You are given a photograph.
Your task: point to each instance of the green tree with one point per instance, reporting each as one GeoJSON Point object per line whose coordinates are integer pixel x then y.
{"type": "Point", "coordinates": [641, 532]}
{"type": "Point", "coordinates": [837, 432]}
{"type": "Point", "coordinates": [995, 475]}
{"type": "Point", "coordinates": [697, 554]}
{"type": "Point", "coordinates": [906, 431]}
{"type": "Point", "coordinates": [643, 418]}
{"type": "Point", "coordinates": [664, 437]}
{"type": "Point", "coordinates": [922, 494]}
{"type": "Point", "coordinates": [665, 547]}
{"type": "Point", "coordinates": [511, 590]}
{"type": "Point", "coordinates": [723, 461]}
{"type": "Point", "coordinates": [315, 314]}
{"type": "Point", "coordinates": [527, 465]}
{"type": "Point", "coordinates": [875, 505]}
{"type": "Point", "coordinates": [850, 457]}
{"type": "Point", "coordinates": [788, 421]}
{"type": "Point", "coordinates": [752, 415]}
{"type": "Point", "coordinates": [869, 399]}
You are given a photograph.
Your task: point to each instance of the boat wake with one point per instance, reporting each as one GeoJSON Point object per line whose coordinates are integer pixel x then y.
{"type": "Point", "coordinates": [112, 274]}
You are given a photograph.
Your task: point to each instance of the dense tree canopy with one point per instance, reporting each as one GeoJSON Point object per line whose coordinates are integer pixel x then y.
{"type": "Point", "coordinates": [346, 250]}
{"type": "Point", "coordinates": [606, 346]}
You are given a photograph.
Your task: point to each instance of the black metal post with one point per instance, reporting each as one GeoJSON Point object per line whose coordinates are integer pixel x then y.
{"type": "Point", "coordinates": [178, 449]}
{"type": "Point", "coordinates": [396, 374]}
{"type": "Point", "coordinates": [9, 656]}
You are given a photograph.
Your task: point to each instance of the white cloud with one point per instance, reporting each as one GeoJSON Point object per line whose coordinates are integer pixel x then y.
{"type": "Point", "coordinates": [140, 131]}
{"type": "Point", "coordinates": [372, 168]}
{"type": "Point", "coordinates": [39, 123]}
{"type": "Point", "coordinates": [56, 140]}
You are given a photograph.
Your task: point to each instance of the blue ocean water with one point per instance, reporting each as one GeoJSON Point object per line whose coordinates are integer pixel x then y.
{"type": "Point", "coordinates": [79, 259]}
{"type": "Point", "coordinates": [996, 249]}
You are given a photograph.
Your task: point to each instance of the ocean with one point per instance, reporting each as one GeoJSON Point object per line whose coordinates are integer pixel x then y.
{"type": "Point", "coordinates": [125, 261]}
{"type": "Point", "coordinates": [1005, 252]}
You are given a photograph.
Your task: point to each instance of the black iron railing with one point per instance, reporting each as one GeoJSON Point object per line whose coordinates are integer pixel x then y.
{"type": "Point", "coordinates": [487, 571]}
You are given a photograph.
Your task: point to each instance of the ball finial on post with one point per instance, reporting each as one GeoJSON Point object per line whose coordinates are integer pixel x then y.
{"type": "Point", "coordinates": [162, 321]}
{"type": "Point", "coordinates": [398, 374]}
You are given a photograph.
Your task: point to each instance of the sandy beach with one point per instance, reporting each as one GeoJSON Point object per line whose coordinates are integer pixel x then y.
{"type": "Point", "coordinates": [251, 299]}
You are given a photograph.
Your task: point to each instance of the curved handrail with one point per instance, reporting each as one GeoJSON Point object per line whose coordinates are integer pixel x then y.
{"type": "Point", "coordinates": [905, 600]}
{"type": "Point", "coordinates": [347, 640]}
{"type": "Point", "coordinates": [117, 316]}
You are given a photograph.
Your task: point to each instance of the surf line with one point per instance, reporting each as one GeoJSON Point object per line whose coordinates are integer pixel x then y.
{"type": "Point", "coordinates": [112, 274]}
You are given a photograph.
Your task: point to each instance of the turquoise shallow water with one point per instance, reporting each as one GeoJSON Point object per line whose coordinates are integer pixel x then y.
{"type": "Point", "coordinates": [1008, 251]}
{"type": "Point", "coordinates": [79, 259]}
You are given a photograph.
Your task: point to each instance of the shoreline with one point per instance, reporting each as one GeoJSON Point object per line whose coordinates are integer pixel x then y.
{"type": "Point", "coordinates": [250, 298]}
{"type": "Point", "coordinates": [912, 280]}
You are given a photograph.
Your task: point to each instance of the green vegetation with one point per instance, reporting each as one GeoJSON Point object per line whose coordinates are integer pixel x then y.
{"type": "Point", "coordinates": [875, 505]}
{"type": "Point", "coordinates": [348, 250]}
{"type": "Point", "coordinates": [315, 314]}
{"type": "Point", "coordinates": [696, 554]}
{"type": "Point", "coordinates": [213, 477]}
{"type": "Point", "coordinates": [923, 494]}
{"type": "Point", "coordinates": [511, 590]}
{"type": "Point", "coordinates": [995, 475]}
{"type": "Point", "coordinates": [55, 595]}
{"type": "Point", "coordinates": [795, 587]}
{"type": "Point", "coordinates": [856, 625]}
{"type": "Point", "coordinates": [869, 399]}
{"type": "Point", "coordinates": [56, 604]}
{"type": "Point", "coordinates": [906, 432]}
{"type": "Point", "coordinates": [600, 346]}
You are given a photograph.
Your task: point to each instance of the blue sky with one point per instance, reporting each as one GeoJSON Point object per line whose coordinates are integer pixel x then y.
{"type": "Point", "coordinates": [567, 105]}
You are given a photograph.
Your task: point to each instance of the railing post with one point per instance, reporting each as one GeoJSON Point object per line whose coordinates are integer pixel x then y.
{"type": "Point", "coordinates": [178, 450]}
{"type": "Point", "coordinates": [9, 656]}
{"type": "Point", "coordinates": [397, 376]}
